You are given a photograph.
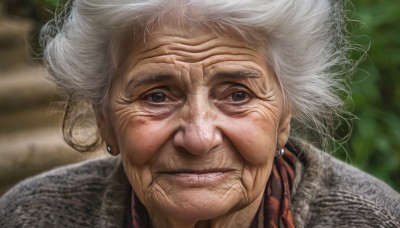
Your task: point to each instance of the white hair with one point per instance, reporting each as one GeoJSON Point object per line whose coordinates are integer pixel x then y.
{"type": "Point", "coordinates": [305, 39]}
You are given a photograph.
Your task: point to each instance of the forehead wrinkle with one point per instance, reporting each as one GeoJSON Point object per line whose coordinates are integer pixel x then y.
{"type": "Point", "coordinates": [184, 48]}
{"type": "Point", "coordinates": [159, 40]}
{"type": "Point", "coordinates": [213, 48]}
{"type": "Point", "coordinates": [247, 60]}
{"type": "Point", "coordinates": [208, 44]}
{"type": "Point", "coordinates": [192, 78]}
{"type": "Point", "coordinates": [208, 49]}
{"type": "Point", "coordinates": [208, 56]}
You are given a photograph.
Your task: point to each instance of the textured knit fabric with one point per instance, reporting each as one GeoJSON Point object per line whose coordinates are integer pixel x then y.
{"type": "Point", "coordinates": [326, 193]}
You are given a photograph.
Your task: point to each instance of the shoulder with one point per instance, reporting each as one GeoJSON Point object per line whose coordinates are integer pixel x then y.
{"type": "Point", "coordinates": [65, 197]}
{"type": "Point", "coordinates": [340, 195]}
{"type": "Point", "coordinates": [350, 196]}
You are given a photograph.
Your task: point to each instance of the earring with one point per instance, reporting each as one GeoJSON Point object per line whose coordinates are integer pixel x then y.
{"type": "Point", "coordinates": [109, 149]}
{"type": "Point", "coordinates": [279, 153]}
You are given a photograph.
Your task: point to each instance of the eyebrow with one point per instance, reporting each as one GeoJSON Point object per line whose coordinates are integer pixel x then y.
{"type": "Point", "coordinates": [239, 74]}
{"type": "Point", "coordinates": [149, 79]}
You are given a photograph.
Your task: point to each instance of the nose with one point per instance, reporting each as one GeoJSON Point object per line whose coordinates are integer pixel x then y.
{"type": "Point", "coordinates": [198, 134]}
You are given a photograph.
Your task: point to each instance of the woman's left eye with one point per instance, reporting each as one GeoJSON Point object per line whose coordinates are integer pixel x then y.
{"type": "Point", "coordinates": [234, 94]}
{"type": "Point", "coordinates": [239, 96]}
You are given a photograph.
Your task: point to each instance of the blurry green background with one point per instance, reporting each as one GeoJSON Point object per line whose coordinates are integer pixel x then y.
{"type": "Point", "coordinates": [374, 145]}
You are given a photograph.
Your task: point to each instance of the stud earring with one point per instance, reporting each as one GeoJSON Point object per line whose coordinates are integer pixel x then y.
{"type": "Point", "coordinates": [279, 153]}
{"type": "Point", "coordinates": [109, 149]}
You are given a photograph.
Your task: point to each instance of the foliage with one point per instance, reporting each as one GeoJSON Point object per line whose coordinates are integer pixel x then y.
{"type": "Point", "coordinates": [375, 142]}
{"type": "Point", "coordinates": [40, 11]}
{"type": "Point", "coordinates": [374, 145]}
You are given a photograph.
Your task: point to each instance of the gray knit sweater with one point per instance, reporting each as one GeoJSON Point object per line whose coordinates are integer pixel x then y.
{"type": "Point", "coordinates": [327, 193]}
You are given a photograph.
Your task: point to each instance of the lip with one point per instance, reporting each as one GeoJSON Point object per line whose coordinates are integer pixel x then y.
{"type": "Point", "coordinates": [197, 178]}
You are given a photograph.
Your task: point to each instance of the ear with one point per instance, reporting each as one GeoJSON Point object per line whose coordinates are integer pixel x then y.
{"type": "Point", "coordinates": [284, 129]}
{"type": "Point", "coordinates": [106, 131]}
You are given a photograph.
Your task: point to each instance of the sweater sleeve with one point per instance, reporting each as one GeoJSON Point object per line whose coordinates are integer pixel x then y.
{"type": "Point", "coordinates": [330, 193]}
{"type": "Point", "coordinates": [353, 198]}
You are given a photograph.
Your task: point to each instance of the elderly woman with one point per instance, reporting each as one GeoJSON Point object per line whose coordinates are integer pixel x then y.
{"type": "Point", "coordinates": [195, 99]}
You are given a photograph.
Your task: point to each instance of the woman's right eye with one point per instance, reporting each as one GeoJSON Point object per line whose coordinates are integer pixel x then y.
{"type": "Point", "coordinates": [160, 100]}
{"type": "Point", "coordinates": [159, 95]}
{"type": "Point", "coordinates": [156, 97]}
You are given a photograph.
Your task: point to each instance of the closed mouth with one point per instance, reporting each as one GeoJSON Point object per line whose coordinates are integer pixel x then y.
{"type": "Point", "coordinates": [195, 178]}
{"type": "Point", "coordinates": [198, 171]}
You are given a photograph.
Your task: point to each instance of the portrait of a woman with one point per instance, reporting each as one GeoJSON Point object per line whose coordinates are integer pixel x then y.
{"type": "Point", "coordinates": [216, 114]}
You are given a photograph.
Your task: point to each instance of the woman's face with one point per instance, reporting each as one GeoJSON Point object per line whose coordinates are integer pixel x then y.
{"type": "Point", "coordinates": [197, 119]}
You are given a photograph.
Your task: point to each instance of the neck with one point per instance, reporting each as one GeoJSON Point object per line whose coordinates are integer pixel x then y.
{"type": "Point", "coordinates": [238, 218]}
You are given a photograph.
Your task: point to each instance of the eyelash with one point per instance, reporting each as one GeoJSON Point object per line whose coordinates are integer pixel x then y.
{"type": "Point", "coordinates": [160, 90]}
{"type": "Point", "coordinates": [227, 95]}
{"type": "Point", "coordinates": [235, 89]}
{"type": "Point", "coordinates": [243, 98]}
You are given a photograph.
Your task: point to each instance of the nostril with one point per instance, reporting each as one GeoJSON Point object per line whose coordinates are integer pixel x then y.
{"type": "Point", "coordinates": [192, 139]}
{"type": "Point", "coordinates": [198, 134]}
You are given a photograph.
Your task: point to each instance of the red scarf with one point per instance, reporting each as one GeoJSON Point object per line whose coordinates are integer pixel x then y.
{"type": "Point", "coordinates": [274, 210]}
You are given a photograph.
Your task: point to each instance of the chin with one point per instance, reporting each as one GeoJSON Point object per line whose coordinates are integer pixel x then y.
{"type": "Point", "coordinates": [197, 204]}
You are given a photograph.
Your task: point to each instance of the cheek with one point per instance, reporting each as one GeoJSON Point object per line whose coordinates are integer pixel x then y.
{"type": "Point", "coordinates": [139, 146]}
{"type": "Point", "coordinates": [254, 178]}
{"type": "Point", "coordinates": [253, 137]}
{"type": "Point", "coordinates": [141, 140]}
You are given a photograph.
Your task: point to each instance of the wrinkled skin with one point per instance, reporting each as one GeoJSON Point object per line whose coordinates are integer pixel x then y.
{"type": "Point", "coordinates": [197, 119]}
